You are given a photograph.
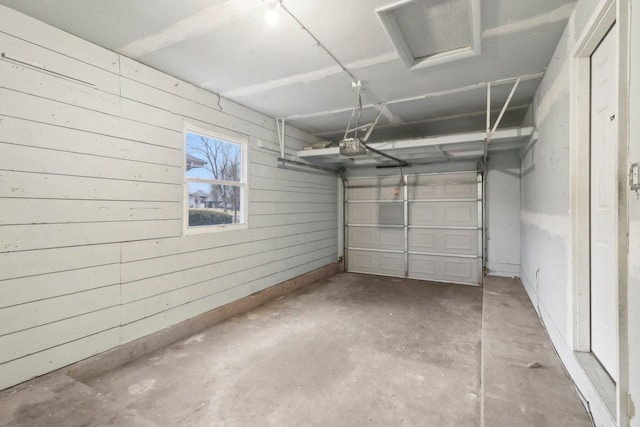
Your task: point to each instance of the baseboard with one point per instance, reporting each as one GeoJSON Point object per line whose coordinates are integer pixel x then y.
{"type": "Point", "coordinates": [503, 270]}
{"type": "Point", "coordinates": [111, 359]}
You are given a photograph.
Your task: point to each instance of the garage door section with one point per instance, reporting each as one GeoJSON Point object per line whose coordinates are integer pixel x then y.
{"type": "Point", "coordinates": [428, 228]}
{"type": "Point", "coordinates": [375, 226]}
{"type": "Point", "coordinates": [444, 227]}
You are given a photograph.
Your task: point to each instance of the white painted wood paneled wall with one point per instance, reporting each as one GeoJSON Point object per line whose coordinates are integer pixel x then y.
{"type": "Point", "coordinates": [91, 248]}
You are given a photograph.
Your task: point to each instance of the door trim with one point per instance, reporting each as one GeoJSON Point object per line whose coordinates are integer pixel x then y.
{"type": "Point", "coordinates": [580, 171]}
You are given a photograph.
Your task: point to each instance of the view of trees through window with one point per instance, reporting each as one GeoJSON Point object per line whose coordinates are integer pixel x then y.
{"type": "Point", "coordinates": [214, 179]}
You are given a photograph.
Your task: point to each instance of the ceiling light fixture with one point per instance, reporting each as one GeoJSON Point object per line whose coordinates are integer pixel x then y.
{"type": "Point", "coordinates": [272, 16]}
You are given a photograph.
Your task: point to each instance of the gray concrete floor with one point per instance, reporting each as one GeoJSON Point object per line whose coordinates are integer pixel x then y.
{"type": "Point", "coordinates": [350, 351]}
{"type": "Point", "coordinates": [513, 339]}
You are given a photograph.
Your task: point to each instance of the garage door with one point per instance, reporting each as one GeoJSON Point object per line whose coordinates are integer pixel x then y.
{"type": "Point", "coordinates": [418, 226]}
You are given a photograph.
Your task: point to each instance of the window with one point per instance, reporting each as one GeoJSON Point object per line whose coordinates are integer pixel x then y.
{"type": "Point", "coordinates": [215, 182]}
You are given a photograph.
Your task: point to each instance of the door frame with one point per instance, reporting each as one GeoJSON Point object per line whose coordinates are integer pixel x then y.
{"type": "Point", "coordinates": [607, 13]}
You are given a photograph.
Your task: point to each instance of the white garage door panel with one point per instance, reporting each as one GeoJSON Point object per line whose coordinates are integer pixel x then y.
{"type": "Point", "coordinates": [387, 264]}
{"type": "Point", "coordinates": [459, 214]}
{"type": "Point", "coordinates": [427, 230]}
{"type": "Point", "coordinates": [376, 238]}
{"type": "Point", "coordinates": [442, 179]}
{"type": "Point", "coordinates": [455, 186]}
{"type": "Point", "coordinates": [450, 191]}
{"type": "Point", "coordinates": [374, 182]}
{"type": "Point", "coordinates": [374, 189]}
{"type": "Point", "coordinates": [464, 242]}
{"type": "Point", "coordinates": [376, 213]}
{"type": "Point", "coordinates": [423, 267]}
{"type": "Point", "coordinates": [448, 269]}
{"type": "Point", "coordinates": [386, 192]}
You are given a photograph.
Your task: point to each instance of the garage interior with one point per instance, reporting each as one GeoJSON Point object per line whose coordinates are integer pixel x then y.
{"type": "Point", "coordinates": [279, 212]}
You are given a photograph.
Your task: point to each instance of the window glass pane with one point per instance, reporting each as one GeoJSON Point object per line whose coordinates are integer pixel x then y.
{"type": "Point", "coordinates": [210, 158]}
{"type": "Point", "coordinates": [211, 204]}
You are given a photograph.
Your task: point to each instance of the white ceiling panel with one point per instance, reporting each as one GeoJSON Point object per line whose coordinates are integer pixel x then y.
{"type": "Point", "coordinates": [302, 98]}
{"type": "Point", "coordinates": [351, 29]}
{"type": "Point", "coordinates": [472, 100]}
{"type": "Point", "coordinates": [499, 13]}
{"type": "Point", "coordinates": [468, 123]}
{"type": "Point", "coordinates": [112, 24]}
{"type": "Point", "coordinates": [320, 124]}
{"type": "Point", "coordinates": [227, 47]}
{"type": "Point", "coordinates": [517, 55]}
{"type": "Point", "coordinates": [247, 61]}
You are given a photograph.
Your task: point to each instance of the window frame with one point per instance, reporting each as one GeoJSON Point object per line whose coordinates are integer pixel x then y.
{"type": "Point", "coordinates": [243, 142]}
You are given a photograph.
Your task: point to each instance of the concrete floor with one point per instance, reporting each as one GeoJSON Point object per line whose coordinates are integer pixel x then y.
{"type": "Point", "coordinates": [350, 351]}
{"type": "Point", "coordinates": [513, 339]}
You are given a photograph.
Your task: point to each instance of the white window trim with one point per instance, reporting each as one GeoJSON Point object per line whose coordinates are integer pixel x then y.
{"type": "Point", "coordinates": [243, 141]}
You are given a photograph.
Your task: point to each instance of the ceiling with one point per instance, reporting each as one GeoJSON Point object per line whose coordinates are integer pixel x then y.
{"type": "Point", "coordinates": [227, 47]}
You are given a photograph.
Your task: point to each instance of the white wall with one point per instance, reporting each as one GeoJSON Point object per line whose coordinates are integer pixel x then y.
{"type": "Point", "coordinates": [545, 211]}
{"type": "Point", "coordinates": [91, 248]}
{"type": "Point", "coordinates": [503, 214]}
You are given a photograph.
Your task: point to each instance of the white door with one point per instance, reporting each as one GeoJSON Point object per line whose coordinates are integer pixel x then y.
{"type": "Point", "coordinates": [427, 229]}
{"type": "Point", "coordinates": [604, 203]}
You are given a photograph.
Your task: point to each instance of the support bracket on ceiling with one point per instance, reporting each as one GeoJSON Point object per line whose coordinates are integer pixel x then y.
{"type": "Point", "coordinates": [488, 113]}
{"type": "Point", "coordinates": [281, 126]}
{"type": "Point", "coordinates": [374, 123]}
{"type": "Point", "coordinates": [284, 163]}
{"type": "Point", "coordinates": [490, 130]}
{"type": "Point", "coordinates": [442, 153]}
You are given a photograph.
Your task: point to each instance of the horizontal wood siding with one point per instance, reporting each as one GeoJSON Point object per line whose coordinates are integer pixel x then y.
{"type": "Point", "coordinates": [92, 251]}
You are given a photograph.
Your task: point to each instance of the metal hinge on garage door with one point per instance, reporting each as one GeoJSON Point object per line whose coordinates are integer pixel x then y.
{"type": "Point", "coordinates": [425, 226]}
